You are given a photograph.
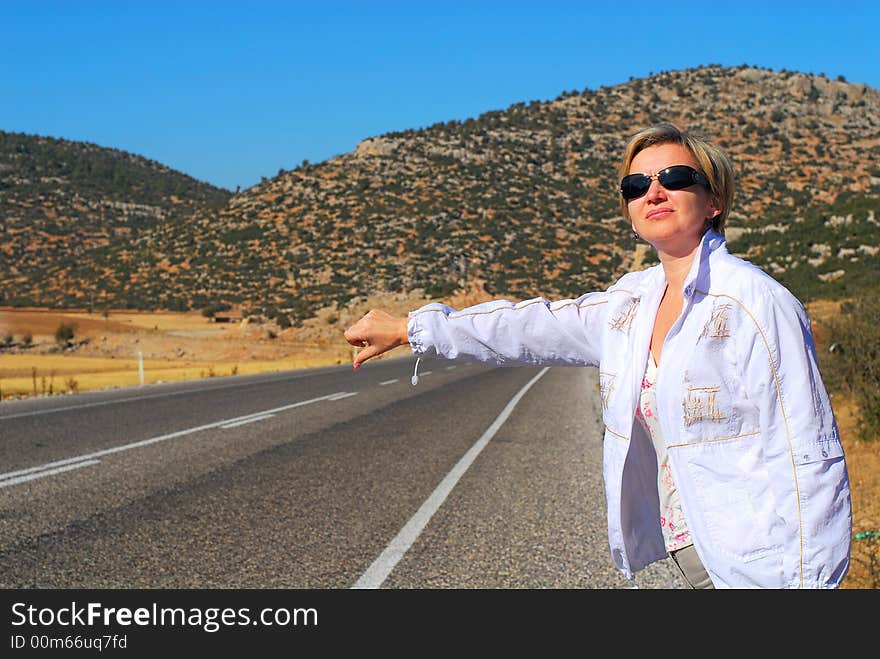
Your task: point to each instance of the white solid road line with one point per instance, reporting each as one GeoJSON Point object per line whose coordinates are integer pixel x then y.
{"type": "Point", "coordinates": [53, 467]}
{"type": "Point", "coordinates": [22, 479]}
{"type": "Point", "coordinates": [342, 395]}
{"type": "Point", "coordinates": [376, 574]}
{"type": "Point", "coordinates": [252, 419]}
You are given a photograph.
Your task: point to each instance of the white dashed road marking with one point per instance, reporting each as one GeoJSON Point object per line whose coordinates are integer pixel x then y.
{"type": "Point", "coordinates": [59, 466]}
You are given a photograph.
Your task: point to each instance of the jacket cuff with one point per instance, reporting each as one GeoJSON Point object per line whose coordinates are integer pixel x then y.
{"type": "Point", "coordinates": [415, 334]}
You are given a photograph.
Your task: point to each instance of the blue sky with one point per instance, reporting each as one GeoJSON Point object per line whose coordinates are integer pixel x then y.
{"type": "Point", "coordinates": [230, 92]}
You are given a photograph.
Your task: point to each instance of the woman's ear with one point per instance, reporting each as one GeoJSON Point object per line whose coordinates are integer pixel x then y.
{"type": "Point", "coordinates": [715, 207]}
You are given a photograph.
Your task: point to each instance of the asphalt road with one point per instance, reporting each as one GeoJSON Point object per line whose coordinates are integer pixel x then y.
{"type": "Point", "coordinates": [478, 477]}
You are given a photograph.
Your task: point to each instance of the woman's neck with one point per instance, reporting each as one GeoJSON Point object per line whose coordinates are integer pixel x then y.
{"type": "Point", "coordinates": [676, 268]}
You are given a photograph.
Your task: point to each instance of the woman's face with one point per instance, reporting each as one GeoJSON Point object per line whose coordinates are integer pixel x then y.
{"type": "Point", "coordinates": [672, 221]}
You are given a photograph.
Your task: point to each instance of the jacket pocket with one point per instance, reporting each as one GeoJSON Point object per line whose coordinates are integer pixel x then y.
{"type": "Point", "coordinates": [736, 501]}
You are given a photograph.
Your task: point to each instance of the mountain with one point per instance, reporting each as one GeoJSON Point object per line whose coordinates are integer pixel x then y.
{"type": "Point", "coordinates": [61, 202]}
{"type": "Point", "coordinates": [517, 202]}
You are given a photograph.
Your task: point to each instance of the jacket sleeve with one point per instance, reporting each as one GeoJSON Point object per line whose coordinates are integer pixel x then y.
{"type": "Point", "coordinates": [802, 451]}
{"type": "Point", "coordinates": [536, 331]}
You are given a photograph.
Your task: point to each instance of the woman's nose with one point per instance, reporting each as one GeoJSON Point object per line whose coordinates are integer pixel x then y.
{"type": "Point", "coordinates": [655, 190]}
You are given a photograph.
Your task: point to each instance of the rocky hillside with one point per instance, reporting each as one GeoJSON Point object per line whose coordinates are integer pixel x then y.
{"type": "Point", "coordinates": [61, 202]}
{"type": "Point", "coordinates": [516, 202]}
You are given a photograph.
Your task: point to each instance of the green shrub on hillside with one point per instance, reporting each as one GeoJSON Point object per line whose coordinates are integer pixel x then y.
{"type": "Point", "coordinates": [64, 334]}
{"type": "Point", "coordinates": [852, 364]}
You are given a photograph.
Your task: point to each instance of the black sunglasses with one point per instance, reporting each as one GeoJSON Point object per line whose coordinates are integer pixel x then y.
{"type": "Point", "coordinates": [676, 177]}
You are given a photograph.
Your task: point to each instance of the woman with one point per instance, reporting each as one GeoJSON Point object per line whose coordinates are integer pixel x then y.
{"type": "Point", "coordinates": [721, 449]}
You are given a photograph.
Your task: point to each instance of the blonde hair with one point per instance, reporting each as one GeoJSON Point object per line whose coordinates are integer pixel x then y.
{"type": "Point", "coordinates": [712, 162]}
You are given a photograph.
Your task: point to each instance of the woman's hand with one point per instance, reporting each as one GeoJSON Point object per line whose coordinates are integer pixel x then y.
{"type": "Point", "coordinates": [376, 332]}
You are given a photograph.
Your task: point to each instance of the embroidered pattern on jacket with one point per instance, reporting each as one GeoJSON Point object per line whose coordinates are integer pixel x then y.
{"type": "Point", "coordinates": [772, 366]}
{"type": "Point", "coordinates": [625, 318]}
{"type": "Point", "coordinates": [718, 325]}
{"type": "Point", "coordinates": [606, 386]}
{"type": "Point", "coordinates": [700, 405]}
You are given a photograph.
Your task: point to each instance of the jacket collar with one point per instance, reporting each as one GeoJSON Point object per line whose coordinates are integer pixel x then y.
{"type": "Point", "coordinates": [698, 276]}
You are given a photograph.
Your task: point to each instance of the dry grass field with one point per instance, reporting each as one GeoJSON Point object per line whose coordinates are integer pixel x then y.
{"type": "Point", "coordinates": [176, 346]}
{"type": "Point", "coordinates": [105, 352]}
{"type": "Point", "coordinates": [105, 349]}
{"type": "Point", "coordinates": [863, 463]}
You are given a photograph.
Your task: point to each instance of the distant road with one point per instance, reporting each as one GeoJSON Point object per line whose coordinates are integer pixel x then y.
{"type": "Point", "coordinates": [478, 477]}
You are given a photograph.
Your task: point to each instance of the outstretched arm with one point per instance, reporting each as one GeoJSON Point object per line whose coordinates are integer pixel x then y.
{"type": "Point", "coordinates": [531, 332]}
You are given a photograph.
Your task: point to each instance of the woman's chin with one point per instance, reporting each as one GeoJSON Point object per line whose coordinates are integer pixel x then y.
{"type": "Point", "coordinates": [672, 242]}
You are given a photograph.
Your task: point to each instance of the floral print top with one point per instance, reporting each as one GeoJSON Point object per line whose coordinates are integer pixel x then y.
{"type": "Point", "coordinates": [672, 522]}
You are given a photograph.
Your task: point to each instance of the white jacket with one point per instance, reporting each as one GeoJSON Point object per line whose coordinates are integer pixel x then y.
{"type": "Point", "coordinates": [751, 436]}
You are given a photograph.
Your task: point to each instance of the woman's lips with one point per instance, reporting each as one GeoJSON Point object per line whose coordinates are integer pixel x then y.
{"type": "Point", "coordinates": [658, 212]}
